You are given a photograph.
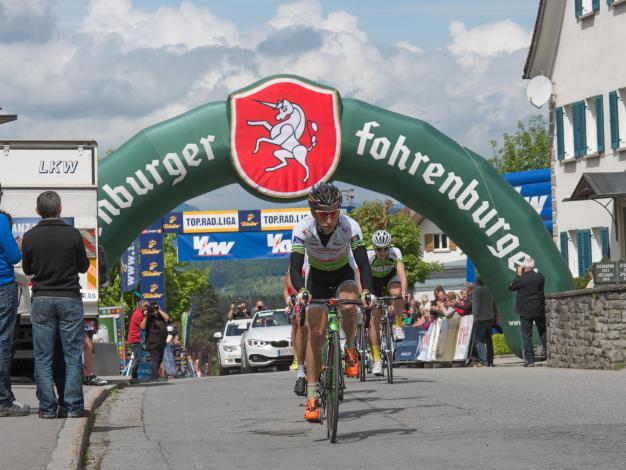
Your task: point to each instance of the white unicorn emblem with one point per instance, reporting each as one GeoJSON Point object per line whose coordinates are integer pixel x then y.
{"type": "Point", "coordinates": [286, 134]}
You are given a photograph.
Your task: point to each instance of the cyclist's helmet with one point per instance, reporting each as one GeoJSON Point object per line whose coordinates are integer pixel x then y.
{"type": "Point", "coordinates": [381, 239]}
{"type": "Point", "coordinates": [325, 196]}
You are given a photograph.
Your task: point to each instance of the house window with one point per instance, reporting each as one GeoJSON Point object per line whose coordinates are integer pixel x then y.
{"type": "Point", "coordinates": [585, 8]}
{"type": "Point", "coordinates": [440, 241]}
{"type": "Point", "coordinates": [580, 128]}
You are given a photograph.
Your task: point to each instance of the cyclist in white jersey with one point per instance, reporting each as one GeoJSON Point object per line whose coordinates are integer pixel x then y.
{"type": "Point", "coordinates": [327, 239]}
{"type": "Point", "coordinates": [388, 275]}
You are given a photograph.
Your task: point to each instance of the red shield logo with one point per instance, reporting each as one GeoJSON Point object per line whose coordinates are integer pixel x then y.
{"type": "Point", "coordinates": [285, 136]}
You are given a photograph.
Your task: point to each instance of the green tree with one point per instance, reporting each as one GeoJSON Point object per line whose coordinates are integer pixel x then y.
{"type": "Point", "coordinates": [406, 235]}
{"type": "Point", "coordinates": [207, 317]}
{"type": "Point", "coordinates": [527, 149]}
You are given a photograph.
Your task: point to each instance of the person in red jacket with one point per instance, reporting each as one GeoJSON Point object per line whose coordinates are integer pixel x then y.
{"type": "Point", "coordinates": [134, 334]}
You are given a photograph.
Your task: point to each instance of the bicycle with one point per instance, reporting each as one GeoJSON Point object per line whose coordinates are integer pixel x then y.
{"type": "Point", "coordinates": [330, 384]}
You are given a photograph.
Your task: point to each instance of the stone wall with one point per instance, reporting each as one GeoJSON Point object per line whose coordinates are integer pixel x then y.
{"type": "Point", "coordinates": [587, 328]}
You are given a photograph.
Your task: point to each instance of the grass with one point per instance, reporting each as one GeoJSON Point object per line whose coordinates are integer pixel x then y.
{"type": "Point", "coordinates": [618, 366]}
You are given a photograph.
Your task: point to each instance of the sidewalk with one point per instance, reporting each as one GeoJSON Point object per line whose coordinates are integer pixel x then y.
{"type": "Point", "coordinates": [28, 442]}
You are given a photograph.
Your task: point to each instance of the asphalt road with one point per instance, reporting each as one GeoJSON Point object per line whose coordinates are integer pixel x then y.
{"type": "Point", "coordinates": [496, 418]}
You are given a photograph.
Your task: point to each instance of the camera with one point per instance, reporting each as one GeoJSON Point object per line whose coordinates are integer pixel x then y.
{"type": "Point", "coordinates": [153, 308]}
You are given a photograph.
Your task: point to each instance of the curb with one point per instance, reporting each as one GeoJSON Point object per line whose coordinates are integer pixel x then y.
{"type": "Point", "coordinates": [74, 435]}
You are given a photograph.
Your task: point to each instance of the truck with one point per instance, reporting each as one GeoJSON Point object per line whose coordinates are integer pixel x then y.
{"type": "Point", "coordinates": [69, 167]}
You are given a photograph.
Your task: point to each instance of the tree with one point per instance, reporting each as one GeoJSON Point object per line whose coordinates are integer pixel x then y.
{"type": "Point", "coordinates": [406, 235]}
{"type": "Point", "coordinates": [207, 317]}
{"type": "Point", "coordinates": [527, 149]}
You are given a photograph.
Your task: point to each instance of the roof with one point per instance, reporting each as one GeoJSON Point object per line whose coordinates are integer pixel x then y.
{"type": "Point", "coordinates": [543, 46]}
{"type": "Point", "coordinates": [599, 186]}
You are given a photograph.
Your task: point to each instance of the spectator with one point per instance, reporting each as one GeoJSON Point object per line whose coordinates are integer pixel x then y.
{"type": "Point", "coordinates": [89, 377]}
{"type": "Point", "coordinates": [259, 305]}
{"type": "Point", "coordinates": [484, 310]}
{"type": "Point", "coordinates": [54, 253]}
{"type": "Point", "coordinates": [134, 336]}
{"type": "Point", "coordinates": [464, 306]}
{"type": "Point", "coordinates": [9, 255]}
{"type": "Point", "coordinates": [438, 306]}
{"type": "Point", "coordinates": [155, 323]}
{"type": "Point", "coordinates": [451, 303]}
{"type": "Point", "coordinates": [238, 310]}
{"type": "Point", "coordinates": [591, 284]}
{"type": "Point", "coordinates": [530, 305]}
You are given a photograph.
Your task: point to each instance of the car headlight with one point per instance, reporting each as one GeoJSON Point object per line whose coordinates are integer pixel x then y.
{"type": "Point", "coordinates": [231, 347]}
{"type": "Point", "coordinates": [257, 342]}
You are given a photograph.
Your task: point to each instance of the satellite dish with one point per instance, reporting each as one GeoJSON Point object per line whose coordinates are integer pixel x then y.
{"type": "Point", "coordinates": [539, 91]}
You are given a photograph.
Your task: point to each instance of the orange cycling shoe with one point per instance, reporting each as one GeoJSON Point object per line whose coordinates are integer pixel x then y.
{"type": "Point", "coordinates": [352, 363]}
{"type": "Point", "coordinates": [312, 411]}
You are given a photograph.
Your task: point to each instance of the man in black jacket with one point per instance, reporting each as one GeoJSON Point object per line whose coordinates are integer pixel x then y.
{"type": "Point", "coordinates": [54, 253]}
{"type": "Point", "coordinates": [484, 309]}
{"type": "Point", "coordinates": [530, 305]}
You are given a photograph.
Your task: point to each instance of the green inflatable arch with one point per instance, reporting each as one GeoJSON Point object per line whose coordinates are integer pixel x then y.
{"type": "Point", "coordinates": [407, 159]}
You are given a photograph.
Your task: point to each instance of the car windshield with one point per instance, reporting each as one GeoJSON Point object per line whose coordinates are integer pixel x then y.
{"type": "Point", "coordinates": [235, 329]}
{"type": "Point", "coordinates": [276, 318]}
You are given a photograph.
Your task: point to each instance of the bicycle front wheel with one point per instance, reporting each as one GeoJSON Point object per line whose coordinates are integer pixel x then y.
{"type": "Point", "coordinates": [333, 386]}
{"type": "Point", "coordinates": [362, 338]}
{"type": "Point", "coordinates": [389, 350]}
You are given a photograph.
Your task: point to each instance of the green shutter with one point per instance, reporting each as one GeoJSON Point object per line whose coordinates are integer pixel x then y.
{"type": "Point", "coordinates": [578, 8]}
{"type": "Point", "coordinates": [583, 242]}
{"type": "Point", "coordinates": [596, 5]}
{"type": "Point", "coordinates": [614, 120]}
{"type": "Point", "coordinates": [580, 138]}
{"type": "Point", "coordinates": [609, 2]}
{"type": "Point", "coordinates": [604, 242]}
{"type": "Point", "coordinates": [600, 122]}
{"type": "Point", "coordinates": [564, 247]}
{"type": "Point", "coordinates": [560, 141]}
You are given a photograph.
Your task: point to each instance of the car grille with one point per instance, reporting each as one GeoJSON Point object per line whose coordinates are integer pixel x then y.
{"type": "Point", "coordinates": [280, 344]}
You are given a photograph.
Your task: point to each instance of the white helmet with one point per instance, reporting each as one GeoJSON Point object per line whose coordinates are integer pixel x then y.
{"type": "Point", "coordinates": [381, 239]}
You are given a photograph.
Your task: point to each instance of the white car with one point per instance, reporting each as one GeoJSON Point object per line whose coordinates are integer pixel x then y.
{"type": "Point", "coordinates": [228, 348]}
{"type": "Point", "coordinates": [267, 342]}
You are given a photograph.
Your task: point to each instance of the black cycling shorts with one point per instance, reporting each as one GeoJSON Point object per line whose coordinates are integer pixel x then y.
{"type": "Point", "coordinates": [380, 285]}
{"type": "Point", "coordinates": [320, 282]}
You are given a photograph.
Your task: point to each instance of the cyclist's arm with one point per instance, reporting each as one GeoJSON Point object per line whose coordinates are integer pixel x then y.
{"type": "Point", "coordinates": [287, 286]}
{"type": "Point", "coordinates": [296, 261]}
{"type": "Point", "coordinates": [365, 270]}
{"type": "Point", "coordinates": [402, 274]}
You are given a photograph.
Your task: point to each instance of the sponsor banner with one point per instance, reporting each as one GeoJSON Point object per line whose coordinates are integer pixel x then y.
{"type": "Point", "coordinates": [129, 268]}
{"type": "Point", "coordinates": [447, 339]}
{"type": "Point", "coordinates": [250, 221]}
{"type": "Point", "coordinates": [173, 222]}
{"type": "Point", "coordinates": [151, 267]}
{"type": "Point", "coordinates": [463, 338]}
{"type": "Point", "coordinates": [428, 348]}
{"type": "Point", "coordinates": [155, 227]}
{"type": "Point", "coordinates": [21, 225]}
{"type": "Point", "coordinates": [238, 245]}
{"type": "Point", "coordinates": [283, 219]}
{"type": "Point", "coordinates": [210, 221]}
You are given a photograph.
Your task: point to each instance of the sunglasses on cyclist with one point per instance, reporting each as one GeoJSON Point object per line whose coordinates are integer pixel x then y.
{"type": "Point", "coordinates": [325, 214]}
{"type": "Point", "coordinates": [382, 249]}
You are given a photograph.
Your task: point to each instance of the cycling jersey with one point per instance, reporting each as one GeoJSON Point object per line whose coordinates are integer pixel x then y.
{"type": "Point", "coordinates": [386, 266]}
{"type": "Point", "coordinates": [335, 254]}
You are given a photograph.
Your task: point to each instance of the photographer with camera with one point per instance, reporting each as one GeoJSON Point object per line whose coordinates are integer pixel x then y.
{"type": "Point", "coordinates": [238, 310]}
{"type": "Point", "coordinates": [155, 325]}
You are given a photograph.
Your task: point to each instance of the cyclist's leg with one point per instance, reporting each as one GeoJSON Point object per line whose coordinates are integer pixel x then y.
{"type": "Point", "coordinates": [348, 290]}
{"type": "Point", "coordinates": [374, 333]}
{"type": "Point", "coordinates": [394, 288]}
{"type": "Point", "coordinates": [302, 339]}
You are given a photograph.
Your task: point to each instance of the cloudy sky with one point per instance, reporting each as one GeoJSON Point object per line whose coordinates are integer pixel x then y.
{"type": "Point", "coordinates": [105, 69]}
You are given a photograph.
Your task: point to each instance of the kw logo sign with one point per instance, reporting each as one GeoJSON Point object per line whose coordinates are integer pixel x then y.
{"type": "Point", "coordinates": [58, 166]}
{"type": "Point", "coordinates": [277, 244]}
{"type": "Point", "coordinates": [206, 248]}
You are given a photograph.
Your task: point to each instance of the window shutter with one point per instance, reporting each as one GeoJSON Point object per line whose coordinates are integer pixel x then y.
{"type": "Point", "coordinates": [560, 142]}
{"type": "Point", "coordinates": [609, 2]}
{"type": "Point", "coordinates": [596, 5]}
{"type": "Point", "coordinates": [583, 241]}
{"type": "Point", "coordinates": [600, 122]}
{"type": "Point", "coordinates": [582, 117]}
{"type": "Point", "coordinates": [614, 123]}
{"type": "Point", "coordinates": [564, 247]}
{"type": "Point", "coordinates": [579, 8]}
{"type": "Point", "coordinates": [451, 245]}
{"type": "Point", "coordinates": [604, 240]}
{"type": "Point", "coordinates": [575, 112]}
{"type": "Point", "coordinates": [430, 243]}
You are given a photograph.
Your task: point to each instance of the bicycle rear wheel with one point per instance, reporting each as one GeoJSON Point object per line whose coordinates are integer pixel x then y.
{"type": "Point", "coordinates": [388, 350]}
{"type": "Point", "coordinates": [333, 386]}
{"type": "Point", "coordinates": [362, 338]}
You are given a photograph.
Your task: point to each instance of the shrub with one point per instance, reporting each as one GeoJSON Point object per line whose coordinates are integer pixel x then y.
{"type": "Point", "coordinates": [499, 345]}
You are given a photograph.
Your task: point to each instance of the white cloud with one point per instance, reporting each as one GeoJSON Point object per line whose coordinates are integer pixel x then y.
{"type": "Point", "coordinates": [473, 45]}
{"type": "Point", "coordinates": [128, 68]}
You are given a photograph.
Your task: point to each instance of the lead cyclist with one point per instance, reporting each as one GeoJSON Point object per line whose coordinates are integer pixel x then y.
{"type": "Point", "coordinates": [326, 239]}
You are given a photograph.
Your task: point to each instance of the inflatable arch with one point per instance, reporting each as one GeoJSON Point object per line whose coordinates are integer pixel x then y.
{"type": "Point", "coordinates": [283, 134]}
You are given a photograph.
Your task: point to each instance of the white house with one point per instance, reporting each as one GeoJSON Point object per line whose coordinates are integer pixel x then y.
{"type": "Point", "coordinates": [580, 45]}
